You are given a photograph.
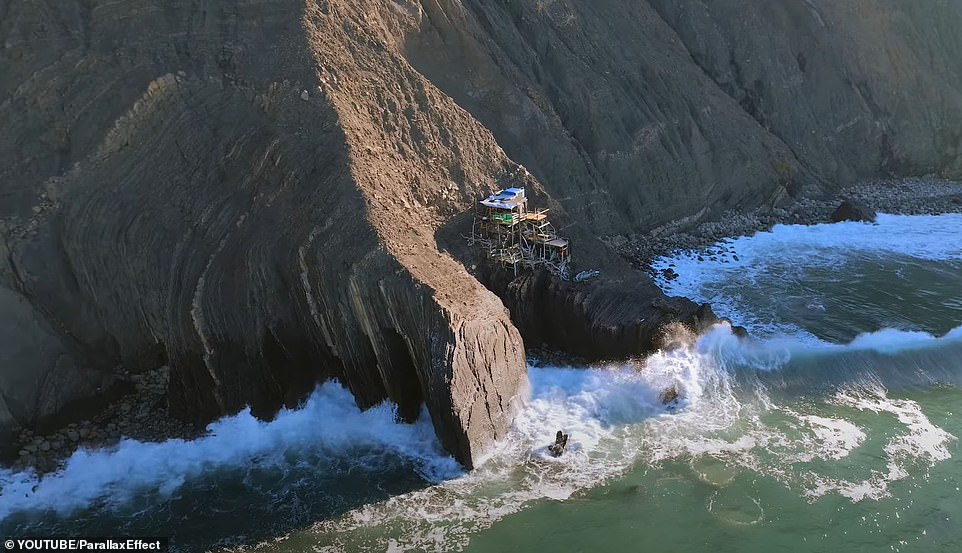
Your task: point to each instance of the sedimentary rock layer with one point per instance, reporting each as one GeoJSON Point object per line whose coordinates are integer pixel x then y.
{"type": "Point", "coordinates": [232, 225]}
{"type": "Point", "coordinates": [637, 113]}
{"type": "Point", "coordinates": [263, 194]}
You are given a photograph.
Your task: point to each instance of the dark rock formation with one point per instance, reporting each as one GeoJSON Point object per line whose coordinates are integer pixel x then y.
{"type": "Point", "coordinates": [38, 371]}
{"type": "Point", "coordinates": [618, 313]}
{"type": "Point", "coordinates": [557, 449]}
{"type": "Point", "coordinates": [637, 113]}
{"type": "Point", "coordinates": [606, 318]}
{"type": "Point", "coordinates": [254, 193]}
{"type": "Point", "coordinates": [668, 395]}
{"type": "Point", "coordinates": [850, 210]}
{"type": "Point", "coordinates": [212, 218]}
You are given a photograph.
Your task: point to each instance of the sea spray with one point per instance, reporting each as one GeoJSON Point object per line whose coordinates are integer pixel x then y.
{"type": "Point", "coordinates": [728, 419]}
{"type": "Point", "coordinates": [727, 423]}
{"type": "Point", "coordinates": [830, 278]}
{"type": "Point", "coordinates": [328, 425]}
{"type": "Point", "coordinates": [764, 420]}
{"type": "Point", "coordinates": [752, 423]}
{"type": "Point", "coordinates": [596, 406]}
{"type": "Point", "coordinates": [605, 410]}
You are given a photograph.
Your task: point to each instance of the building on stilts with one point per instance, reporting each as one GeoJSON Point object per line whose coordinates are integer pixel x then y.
{"type": "Point", "coordinates": [515, 237]}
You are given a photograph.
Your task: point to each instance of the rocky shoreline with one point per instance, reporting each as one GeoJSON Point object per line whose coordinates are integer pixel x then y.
{"type": "Point", "coordinates": [910, 196]}
{"type": "Point", "coordinates": [140, 414]}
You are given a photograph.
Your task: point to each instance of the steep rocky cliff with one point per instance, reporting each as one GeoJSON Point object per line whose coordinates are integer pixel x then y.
{"type": "Point", "coordinates": [249, 222]}
{"type": "Point", "coordinates": [264, 194]}
{"type": "Point", "coordinates": [636, 113]}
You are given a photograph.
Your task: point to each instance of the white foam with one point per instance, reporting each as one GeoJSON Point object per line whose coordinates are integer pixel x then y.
{"type": "Point", "coordinates": [615, 421]}
{"type": "Point", "coordinates": [874, 488]}
{"type": "Point", "coordinates": [725, 427]}
{"type": "Point", "coordinates": [834, 438]}
{"type": "Point", "coordinates": [786, 452]}
{"type": "Point", "coordinates": [787, 250]}
{"type": "Point", "coordinates": [775, 352]}
{"type": "Point", "coordinates": [602, 410]}
{"type": "Point", "coordinates": [329, 424]}
{"type": "Point", "coordinates": [892, 341]}
{"type": "Point", "coordinates": [597, 407]}
{"type": "Point", "coordinates": [924, 442]}
{"type": "Point", "coordinates": [889, 341]}
{"type": "Point", "coordinates": [614, 418]}
{"type": "Point", "coordinates": [791, 449]}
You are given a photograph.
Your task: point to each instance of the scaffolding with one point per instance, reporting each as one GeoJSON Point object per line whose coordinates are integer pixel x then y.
{"type": "Point", "coordinates": [512, 236]}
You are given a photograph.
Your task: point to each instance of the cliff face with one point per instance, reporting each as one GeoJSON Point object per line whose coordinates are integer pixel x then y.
{"type": "Point", "coordinates": [634, 114]}
{"type": "Point", "coordinates": [245, 221]}
{"type": "Point", "coordinates": [263, 194]}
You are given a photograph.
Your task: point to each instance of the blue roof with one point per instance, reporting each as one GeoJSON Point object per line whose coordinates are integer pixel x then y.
{"type": "Point", "coordinates": [509, 198]}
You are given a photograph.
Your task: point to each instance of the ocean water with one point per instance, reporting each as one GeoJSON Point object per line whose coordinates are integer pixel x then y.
{"type": "Point", "coordinates": [835, 426]}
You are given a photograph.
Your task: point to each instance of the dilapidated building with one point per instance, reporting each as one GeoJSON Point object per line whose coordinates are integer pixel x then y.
{"type": "Point", "coordinates": [513, 236]}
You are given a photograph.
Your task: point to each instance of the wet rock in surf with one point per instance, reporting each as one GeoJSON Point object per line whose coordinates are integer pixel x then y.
{"type": "Point", "coordinates": [669, 274]}
{"type": "Point", "coordinates": [669, 395]}
{"type": "Point", "coordinates": [850, 210]}
{"type": "Point", "coordinates": [560, 445]}
{"type": "Point", "coordinates": [665, 305]}
{"type": "Point", "coordinates": [617, 317]}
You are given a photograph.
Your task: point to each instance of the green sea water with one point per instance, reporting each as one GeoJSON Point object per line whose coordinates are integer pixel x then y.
{"type": "Point", "coordinates": [834, 427]}
{"type": "Point", "coordinates": [712, 504]}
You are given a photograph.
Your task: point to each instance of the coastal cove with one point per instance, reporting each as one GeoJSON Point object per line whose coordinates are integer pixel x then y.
{"type": "Point", "coordinates": [792, 424]}
{"type": "Point", "coordinates": [336, 276]}
{"type": "Point", "coordinates": [139, 411]}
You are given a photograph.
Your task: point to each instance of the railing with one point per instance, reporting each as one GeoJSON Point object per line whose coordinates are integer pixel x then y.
{"type": "Point", "coordinates": [505, 242]}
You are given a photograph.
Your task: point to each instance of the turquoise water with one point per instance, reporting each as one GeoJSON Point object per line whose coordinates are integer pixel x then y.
{"type": "Point", "coordinates": [722, 502]}
{"type": "Point", "coordinates": [834, 427]}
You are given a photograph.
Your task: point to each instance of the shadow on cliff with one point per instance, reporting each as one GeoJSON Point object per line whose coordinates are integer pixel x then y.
{"type": "Point", "coordinates": [619, 314]}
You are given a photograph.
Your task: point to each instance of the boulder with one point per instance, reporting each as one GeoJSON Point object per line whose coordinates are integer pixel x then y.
{"type": "Point", "coordinates": [38, 375]}
{"type": "Point", "coordinates": [851, 210]}
{"type": "Point", "coordinates": [668, 395]}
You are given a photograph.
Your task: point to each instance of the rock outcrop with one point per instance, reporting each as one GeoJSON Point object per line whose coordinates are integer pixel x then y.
{"type": "Point", "coordinates": [850, 210]}
{"type": "Point", "coordinates": [257, 241]}
{"type": "Point", "coordinates": [39, 373]}
{"type": "Point", "coordinates": [257, 194]}
{"type": "Point", "coordinates": [605, 319]}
